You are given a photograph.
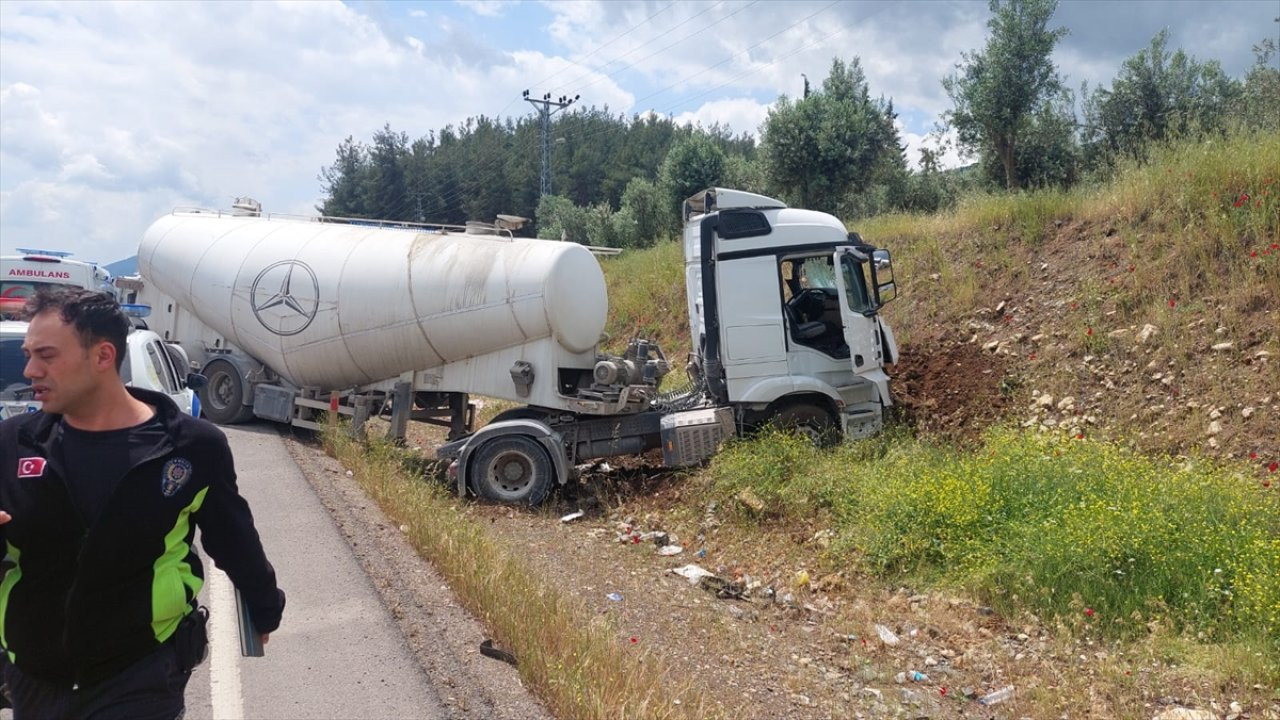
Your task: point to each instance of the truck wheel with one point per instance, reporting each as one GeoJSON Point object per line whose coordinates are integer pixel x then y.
{"type": "Point", "coordinates": [222, 399]}
{"type": "Point", "coordinates": [512, 469]}
{"type": "Point", "coordinates": [809, 420]}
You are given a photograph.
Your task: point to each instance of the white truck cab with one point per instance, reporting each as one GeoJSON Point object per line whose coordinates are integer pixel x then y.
{"type": "Point", "coordinates": [785, 305]}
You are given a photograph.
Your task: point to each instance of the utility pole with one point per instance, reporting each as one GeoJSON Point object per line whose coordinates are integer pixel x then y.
{"type": "Point", "coordinates": [544, 108]}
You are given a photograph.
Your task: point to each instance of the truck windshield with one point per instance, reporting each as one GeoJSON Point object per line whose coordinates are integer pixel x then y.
{"type": "Point", "coordinates": [11, 364]}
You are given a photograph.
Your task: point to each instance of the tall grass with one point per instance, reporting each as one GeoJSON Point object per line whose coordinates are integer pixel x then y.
{"type": "Point", "coordinates": [573, 661]}
{"type": "Point", "coordinates": [1082, 531]}
{"type": "Point", "coordinates": [647, 299]}
{"type": "Point", "coordinates": [1201, 207]}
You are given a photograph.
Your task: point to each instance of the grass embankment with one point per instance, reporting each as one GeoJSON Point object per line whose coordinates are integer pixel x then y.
{"type": "Point", "coordinates": [647, 299]}
{"type": "Point", "coordinates": [1195, 222]}
{"type": "Point", "coordinates": [1096, 538]}
{"type": "Point", "coordinates": [1188, 243]}
{"type": "Point", "coordinates": [573, 661]}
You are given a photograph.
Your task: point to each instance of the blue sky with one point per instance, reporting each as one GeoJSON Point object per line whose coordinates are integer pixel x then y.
{"type": "Point", "coordinates": [111, 114]}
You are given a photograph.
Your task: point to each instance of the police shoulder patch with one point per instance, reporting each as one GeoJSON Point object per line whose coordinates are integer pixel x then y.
{"type": "Point", "coordinates": [175, 474]}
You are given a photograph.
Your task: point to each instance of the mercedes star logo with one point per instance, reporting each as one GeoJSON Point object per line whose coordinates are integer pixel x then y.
{"type": "Point", "coordinates": [285, 297]}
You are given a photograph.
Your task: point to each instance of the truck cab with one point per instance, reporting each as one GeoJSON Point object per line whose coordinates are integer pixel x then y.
{"type": "Point", "coordinates": [785, 306]}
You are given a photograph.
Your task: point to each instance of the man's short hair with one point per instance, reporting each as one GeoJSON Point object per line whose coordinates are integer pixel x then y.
{"type": "Point", "coordinates": [96, 316]}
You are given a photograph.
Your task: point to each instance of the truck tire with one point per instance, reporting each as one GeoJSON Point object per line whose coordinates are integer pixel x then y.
{"type": "Point", "coordinates": [809, 419]}
{"type": "Point", "coordinates": [512, 469]}
{"type": "Point", "coordinates": [222, 399]}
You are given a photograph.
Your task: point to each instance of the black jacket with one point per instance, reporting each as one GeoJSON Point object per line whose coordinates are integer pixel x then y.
{"type": "Point", "coordinates": [80, 603]}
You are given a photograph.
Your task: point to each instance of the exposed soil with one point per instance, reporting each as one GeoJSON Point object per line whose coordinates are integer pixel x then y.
{"type": "Point", "coordinates": [950, 389]}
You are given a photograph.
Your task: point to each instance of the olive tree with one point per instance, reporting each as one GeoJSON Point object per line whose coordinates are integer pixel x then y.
{"type": "Point", "coordinates": [997, 90]}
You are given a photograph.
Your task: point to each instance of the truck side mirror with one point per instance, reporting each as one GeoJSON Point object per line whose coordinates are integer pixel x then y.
{"type": "Point", "coordinates": [196, 381]}
{"type": "Point", "coordinates": [882, 276]}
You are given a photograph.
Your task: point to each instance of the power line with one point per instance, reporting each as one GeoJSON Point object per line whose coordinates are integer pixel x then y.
{"type": "Point", "coordinates": [662, 49]}
{"type": "Point", "coordinates": [598, 48]}
{"type": "Point", "coordinates": [614, 39]}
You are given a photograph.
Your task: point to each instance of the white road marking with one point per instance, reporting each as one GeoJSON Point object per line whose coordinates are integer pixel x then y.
{"type": "Point", "coordinates": [224, 648]}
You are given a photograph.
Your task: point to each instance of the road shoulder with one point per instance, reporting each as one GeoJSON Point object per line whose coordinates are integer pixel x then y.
{"type": "Point", "coordinates": [444, 638]}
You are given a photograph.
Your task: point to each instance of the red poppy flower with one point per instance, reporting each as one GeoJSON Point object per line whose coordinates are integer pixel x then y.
{"type": "Point", "coordinates": [1275, 246]}
{"type": "Point", "coordinates": [1272, 467]}
{"type": "Point", "coordinates": [942, 691]}
{"type": "Point", "coordinates": [1173, 303]}
{"type": "Point", "coordinates": [1074, 306]}
{"type": "Point", "coordinates": [1032, 356]}
{"type": "Point", "coordinates": [1088, 612]}
{"type": "Point", "coordinates": [1253, 254]}
{"type": "Point", "coordinates": [1089, 332]}
{"type": "Point", "coordinates": [634, 639]}
{"type": "Point", "coordinates": [1079, 436]}
{"type": "Point", "coordinates": [1253, 456]}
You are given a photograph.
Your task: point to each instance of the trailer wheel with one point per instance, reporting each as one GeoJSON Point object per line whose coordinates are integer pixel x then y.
{"type": "Point", "coordinates": [809, 420]}
{"type": "Point", "coordinates": [222, 399]}
{"type": "Point", "coordinates": [512, 469]}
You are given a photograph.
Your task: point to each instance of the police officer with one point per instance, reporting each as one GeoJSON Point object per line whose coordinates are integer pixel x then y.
{"type": "Point", "coordinates": [100, 496]}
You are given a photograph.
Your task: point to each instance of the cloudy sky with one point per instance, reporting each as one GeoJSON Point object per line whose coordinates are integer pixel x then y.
{"type": "Point", "coordinates": [111, 114]}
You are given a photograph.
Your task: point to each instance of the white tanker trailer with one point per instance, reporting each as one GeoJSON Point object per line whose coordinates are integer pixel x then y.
{"type": "Point", "coordinates": [286, 316]}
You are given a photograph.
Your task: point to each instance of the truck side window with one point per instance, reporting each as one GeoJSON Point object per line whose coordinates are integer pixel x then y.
{"type": "Point", "coordinates": [855, 284]}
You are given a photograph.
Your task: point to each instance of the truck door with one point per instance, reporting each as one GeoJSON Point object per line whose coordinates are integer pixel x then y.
{"type": "Point", "coordinates": [858, 309]}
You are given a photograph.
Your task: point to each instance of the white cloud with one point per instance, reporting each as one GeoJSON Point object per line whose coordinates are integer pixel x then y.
{"type": "Point", "coordinates": [113, 114]}
{"type": "Point", "coordinates": [485, 8]}
{"type": "Point", "coordinates": [743, 115]}
{"type": "Point", "coordinates": [943, 143]}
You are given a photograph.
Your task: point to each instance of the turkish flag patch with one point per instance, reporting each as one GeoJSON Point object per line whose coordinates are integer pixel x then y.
{"type": "Point", "coordinates": [31, 467]}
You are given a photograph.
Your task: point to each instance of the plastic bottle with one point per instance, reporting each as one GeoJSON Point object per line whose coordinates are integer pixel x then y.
{"type": "Point", "coordinates": [998, 696]}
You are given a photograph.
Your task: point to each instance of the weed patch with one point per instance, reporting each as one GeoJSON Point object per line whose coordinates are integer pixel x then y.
{"type": "Point", "coordinates": [1101, 539]}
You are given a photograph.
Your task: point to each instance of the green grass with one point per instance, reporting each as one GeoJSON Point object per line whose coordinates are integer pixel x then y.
{"type": "Point", "coordinates": [647, 299]}
{"type": "Point", "coordinates": [1188, 202]}
{"type": "Point", "coordinates": [1090, 534]}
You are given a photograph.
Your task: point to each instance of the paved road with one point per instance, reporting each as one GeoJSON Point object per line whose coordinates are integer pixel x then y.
{"type": "Point", "coordinates": [339, 653]}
